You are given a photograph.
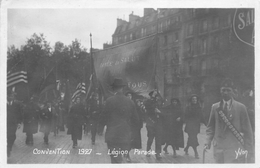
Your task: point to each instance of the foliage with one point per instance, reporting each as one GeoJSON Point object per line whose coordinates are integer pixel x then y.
{"type": "Point", "coordinates": [38, 58]}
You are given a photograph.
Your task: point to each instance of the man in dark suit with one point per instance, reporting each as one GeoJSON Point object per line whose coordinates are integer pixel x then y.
{"type": "Point", "coordinates": [76, 119]}
{"type": "Point", "coordinates": [118, 112]}
{"type": "Point", "coordinates": [31, 117]}
{"type": "Point", "coordinates": [94, 114]}
{"type": "Point", "coordinates": [46, 120]}
{"type": "Point", "coordinates": [14, 119]}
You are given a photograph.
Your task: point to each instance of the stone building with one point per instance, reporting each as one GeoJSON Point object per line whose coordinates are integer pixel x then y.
{"type": "Point", "coordinates": [198, 48]}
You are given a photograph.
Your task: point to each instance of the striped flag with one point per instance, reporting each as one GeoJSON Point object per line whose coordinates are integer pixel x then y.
{"type": "Point", "coordinates": [80, 89]}
{"type": "Point", "coordinates": [17, 77]}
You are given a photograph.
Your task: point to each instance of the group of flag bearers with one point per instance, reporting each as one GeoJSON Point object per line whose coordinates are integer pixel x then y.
{"type": "Point", "coordinates": [124, 117]}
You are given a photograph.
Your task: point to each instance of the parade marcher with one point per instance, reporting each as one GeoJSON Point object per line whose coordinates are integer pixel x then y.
{"type": "Point", "coordinates": [76, 119]}
{"type": "Point", "coordinates": [193, 118]}
{"type": "Point", "coordinates": [172, 126]}
{"type": "Point", "coordinates": [46, 121]}
{"type": "Point", "coordinates": [94, 115]}
{"type": "Point", "coordinates": [101, 125]}
{"type": "Point", "coordinates": [30, 120]}
{"type": "Point", "coordinates": [229, 128]}
{"type": "Point", "coordinates": [136, 142]}
{"type": "Point", "coordinates": [118, 112]}
{"type": "Point", "coordinates": [153, 124]}
{"type": "Point", "coordinates": [55, 118]}
{"type": "Point", "coordinates": [14, 119]}
{"type": "Point", "coordinates": [61, 116]}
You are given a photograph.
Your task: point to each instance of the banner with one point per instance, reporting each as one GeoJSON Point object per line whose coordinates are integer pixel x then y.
{"type": "Point", "coordinates": [134, 62]}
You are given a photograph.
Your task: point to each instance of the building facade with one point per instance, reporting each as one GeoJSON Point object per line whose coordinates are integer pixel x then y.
{"type": "Point", "coordinates": [197, 47]}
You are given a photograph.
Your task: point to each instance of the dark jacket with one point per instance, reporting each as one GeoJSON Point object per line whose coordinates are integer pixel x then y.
{"type": "Point", "coordinates": [31, 118]}
{"type": "Point", "coordinates": [14, 116]}
{"type": "Point", "coordinates": [118, 112]}
{"type": "Point", "coordinates": [151, 117]}
{"type": "Point", "coordinates": [136, 141]}
{"type": "Point", "coordinates": [46, 119]}
{"type": "Point", "coordinates": [193, 118]}
{"type": "Point", "coordinates": [94, 110]}
{"type": "Point", "coordinates": [172, 129]}
{"type": "Point", "coordinates": [76, 119]}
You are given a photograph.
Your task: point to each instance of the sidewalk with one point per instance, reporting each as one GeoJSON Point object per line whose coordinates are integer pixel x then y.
{"type": "Point", "coordinates": [60, 151]}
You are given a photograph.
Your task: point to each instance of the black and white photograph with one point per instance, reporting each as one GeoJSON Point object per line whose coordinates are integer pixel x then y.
{"type": "Point", "coordinates": [129, 82]}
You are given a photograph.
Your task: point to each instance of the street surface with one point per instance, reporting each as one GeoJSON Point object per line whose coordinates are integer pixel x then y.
{"type": "Point", "coordinates": [87, 153]}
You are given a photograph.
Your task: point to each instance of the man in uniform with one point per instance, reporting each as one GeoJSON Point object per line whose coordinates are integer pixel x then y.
{"type": "Point", "coordinates": [153, 124]}
{"type": "Point", "coordinates": [230, 129]}
{"type": "Point", "coordinates": [14, 119]}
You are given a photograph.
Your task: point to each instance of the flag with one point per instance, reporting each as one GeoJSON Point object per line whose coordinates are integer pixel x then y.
{"type": "Point", "coordinates": [17, 77]}
{"type": "Point", "coordinates": [134, 62]}
{"type": "Point", "coordinates": [80, 89]}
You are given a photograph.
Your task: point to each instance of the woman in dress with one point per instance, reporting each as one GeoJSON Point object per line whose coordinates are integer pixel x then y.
{"type": "Point", "coordinates": [193, 118]}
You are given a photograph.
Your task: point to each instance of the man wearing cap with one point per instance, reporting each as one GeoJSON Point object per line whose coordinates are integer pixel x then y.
{"type": "Point", "coordinates": [14, 119]}
{"type": "Point", "coordinates": [230, 129]}
{"type": "Point", "coordinates": [118, 112]}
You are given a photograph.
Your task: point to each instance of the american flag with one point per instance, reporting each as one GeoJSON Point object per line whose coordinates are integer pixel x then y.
{"type": "Point", "coordinates": [80, 89]}
{"type": "Point", "coordinates": [16, 77]}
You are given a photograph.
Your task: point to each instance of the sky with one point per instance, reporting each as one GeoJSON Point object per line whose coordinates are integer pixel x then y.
{"type": "Point", "coordinates": [67, 20]}
{"type": "Point", "coordinates": [66, 25]}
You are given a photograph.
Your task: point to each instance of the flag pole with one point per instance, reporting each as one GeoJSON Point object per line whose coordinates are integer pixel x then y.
{"type": "Point", "coordinates": [156, 52]}
{"type": "Point", "coordinates": [92, 67]}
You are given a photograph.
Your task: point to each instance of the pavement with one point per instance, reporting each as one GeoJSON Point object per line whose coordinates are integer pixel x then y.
{"type": "Point", "coordinates": [60, 151]}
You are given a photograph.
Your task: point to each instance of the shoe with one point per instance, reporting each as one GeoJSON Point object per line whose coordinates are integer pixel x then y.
{"type": "Point", "coordinates": [128, 160]}
{"type": "Point", "coordinates": [46, 142]}
{"type": "Point", "coordinates": [186, 151]}
{"type": "Point", "coordinates": [93, 143]}
{"type": "Point", "coordinates": [158, 156]}
{"type": "Point", "coordinates": [165, 151]}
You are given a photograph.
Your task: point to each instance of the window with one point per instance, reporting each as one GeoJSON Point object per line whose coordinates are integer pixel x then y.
{"type": "Point", "coordinates": [190, 68]}
{"type": "Point", "coordinates": [203, 67]}
{"type": "Point", "coordinates": [204, 26]}
{"type": "Point", "coordinates": [178, 18]}
{"type": "Point", "coordinates": [160, 27]}
{"type": "Point", "coordinates": [190, 48]}
{"type": "Point", "coordinates": [215, 23]}
{"type": "Point", "coordinates": [154, 29]}
{"type": "Point", "coordinates": [168, 23]}
{"type": "Point", "coordinates": [176, 52]}
{"type": "Point", "coordinates": [176, 36]}
{"type": "Point", "coordinates": [165, 40]}
{"type": "Point", "coordinates": [215, 43]}
{"type": "Point", "coordinates": [125, 38]}
{"type": "Point", "coordinates": [190, 30]}
{"type": "Point", "coordinates": [143, 32]}
{"type": "Point", "coordinates": [203, 46]}
{"type": "Point", "coordinates": [227, 20]}
{"type": "Point", "coordinates": [131, 36]}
